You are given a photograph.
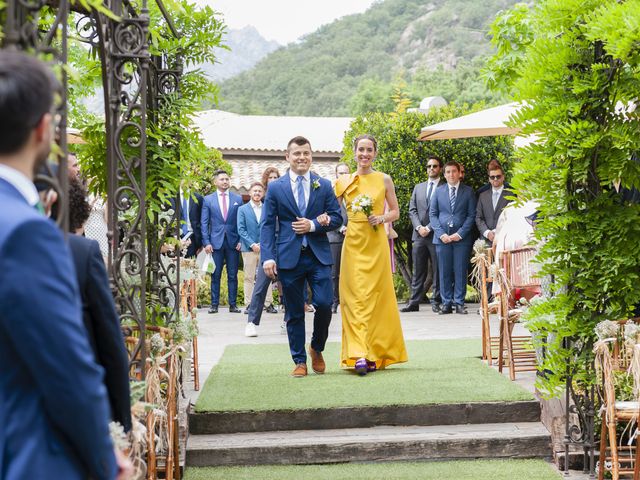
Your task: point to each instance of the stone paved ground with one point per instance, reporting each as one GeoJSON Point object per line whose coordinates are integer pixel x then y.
{"type": "Point", "coordinates": [222, 329]}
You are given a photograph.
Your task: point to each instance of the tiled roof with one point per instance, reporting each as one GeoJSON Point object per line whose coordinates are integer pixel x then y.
{"type": "Point", "coordinates": [230, 131]}
{"type": "Point", "coordinates": [245, 172]}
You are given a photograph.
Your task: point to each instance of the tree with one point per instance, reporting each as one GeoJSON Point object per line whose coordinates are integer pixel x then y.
{"type": "Point", "coordinates": [403, 157]}
{"type": "Point", "coordinates": [576, 64]}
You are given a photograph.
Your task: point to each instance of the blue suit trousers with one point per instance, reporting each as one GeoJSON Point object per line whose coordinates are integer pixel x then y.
{"type": "Point", "coordinates": [318, 275]}
{"type": "Point", "coordinates": [453, 260]}
{"type": "Point", "coordinates": [229, 256]}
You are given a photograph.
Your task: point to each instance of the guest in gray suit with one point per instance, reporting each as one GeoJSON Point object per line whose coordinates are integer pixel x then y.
{"type": "Point", "coordinates": [423, 248]}
{"type": "Point", "coordinates": [491, 202]}
{"type": "Point", "coordinates": [336, 238]}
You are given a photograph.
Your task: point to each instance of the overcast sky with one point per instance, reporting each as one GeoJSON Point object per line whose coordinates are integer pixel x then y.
{"type": "Point", "coordinates": [285, 20]}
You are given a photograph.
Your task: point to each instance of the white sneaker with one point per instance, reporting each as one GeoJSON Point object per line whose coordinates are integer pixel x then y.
{"type": "Point", "coordinates": [250, 330]}
{"type": "Point", "coordinates": [283, 328]}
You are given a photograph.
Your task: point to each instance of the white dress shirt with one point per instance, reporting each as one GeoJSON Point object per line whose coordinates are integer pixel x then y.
{"type": "Point", "coordinates": [186, 212]}
{"type": "Point", "coordinates": [306, 185]}
{"type": "Point", "coordinates": [494, 192]}
{"type": "Point", "coordinates": [21, 182]}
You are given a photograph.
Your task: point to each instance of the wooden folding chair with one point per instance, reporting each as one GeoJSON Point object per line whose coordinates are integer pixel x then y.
{"type": "Point", "coordinates": [518, 275]}
{"type": "Point", "coordinates": [613, 358]}
{"type": "Point", "coordinates": [489, 343]}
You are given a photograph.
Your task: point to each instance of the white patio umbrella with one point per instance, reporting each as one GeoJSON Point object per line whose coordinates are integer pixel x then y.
{"type": "Point", "coordinates": [485, 123]}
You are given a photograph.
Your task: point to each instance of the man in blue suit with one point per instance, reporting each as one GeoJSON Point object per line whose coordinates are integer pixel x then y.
{"type": "Point", "coordinates": [220, 237]}
{"type": "Point", "coordinates": [54, 409]}
{"type": "Point", "coordinates": [452, 216]}
{"type": "Point", "coordinates": [302, 254]}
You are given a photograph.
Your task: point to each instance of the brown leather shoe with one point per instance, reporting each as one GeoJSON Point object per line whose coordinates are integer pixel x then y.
{"type": "Point", "coordinates": [300, 370]}
{"type": "Point", "coordinates": [317, 362]}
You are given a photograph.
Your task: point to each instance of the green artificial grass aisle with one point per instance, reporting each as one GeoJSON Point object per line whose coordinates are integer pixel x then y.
{"type": "Point", "coordinates": [459, 470]}
{"type": "Point", "coordinates": [256, 377]}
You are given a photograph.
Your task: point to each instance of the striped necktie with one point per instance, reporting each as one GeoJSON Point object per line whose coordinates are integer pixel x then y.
{"type": "Point", "coordinates": [452, 198]}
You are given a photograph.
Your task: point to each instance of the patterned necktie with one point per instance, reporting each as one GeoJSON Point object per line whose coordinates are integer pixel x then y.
{"type": "Point", "coordinates": [224, 206]}
{"type": "Point", "coordinates": [496, 197]}
{"type": "Point", "coordinates": [302, 204]}
{"type": "Point", "coordinates": [429, 193]}
{"type": "Point", "coordinates": [452, 198]}
{"type": "Point", "coordinates": [183, 223]}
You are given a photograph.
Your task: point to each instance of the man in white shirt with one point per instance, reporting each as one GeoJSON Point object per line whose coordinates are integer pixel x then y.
{"type": "Point", "coordinates": [423, 250]}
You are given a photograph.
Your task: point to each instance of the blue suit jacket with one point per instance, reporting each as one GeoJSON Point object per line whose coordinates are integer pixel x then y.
{"type": "Point", "coordinates": [103, 325]}
{"type": "Point", "coordinates": [281, 208]}
{"type": "Point", "coordinates": [248, 227]}
{"type": "Point", "coordinates": [460, 221]}
{"type": "Point", "coordinates": [214, 227]}
{"type": "Point", "coordinates": [54, 410]}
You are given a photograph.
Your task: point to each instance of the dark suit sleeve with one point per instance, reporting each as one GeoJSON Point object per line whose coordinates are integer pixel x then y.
{"type": "Point", "coordinates": [40, 303]}
{"type": "Point", "coordinates": [204, 223]}
{"type": "Point", "coordinates": [110, 348]}
{"type": "Point", "coordinates": [480, 220]}
{"type": "Point", "coordinates": [469, 221]}
{"type": "Point", "coordinates": [268, 225]}
{"type": "Point", "coordinates": [413, 209]}
{"type": "Point", "coordinates": [196, 221]}
{"type": "Point", "coordinates": [434, 213]}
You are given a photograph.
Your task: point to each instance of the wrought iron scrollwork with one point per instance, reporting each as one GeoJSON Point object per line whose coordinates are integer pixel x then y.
{"type": "Point", "coordinates": [580, 413]}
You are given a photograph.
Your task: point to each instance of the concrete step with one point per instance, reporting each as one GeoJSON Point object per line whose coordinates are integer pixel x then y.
{"type": "Point", "coordinates": [384, 443]}
{"type": "Point", "coordinates": [363, 417]}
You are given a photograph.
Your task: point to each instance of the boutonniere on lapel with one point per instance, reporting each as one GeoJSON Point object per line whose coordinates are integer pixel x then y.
{"type": "Point", "coordinates": [315, 184]}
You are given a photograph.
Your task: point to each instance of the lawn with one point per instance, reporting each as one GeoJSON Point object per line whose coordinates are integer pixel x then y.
{"type": "Point", "coordinates": [458, 470]}
{"type": "Point", "coordinates": [256, 378]}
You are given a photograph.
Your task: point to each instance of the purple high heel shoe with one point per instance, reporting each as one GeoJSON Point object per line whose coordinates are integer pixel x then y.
{"type": "Point", "coordinates": [361, 366]}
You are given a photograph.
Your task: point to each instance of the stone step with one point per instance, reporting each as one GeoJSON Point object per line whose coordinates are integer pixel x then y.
{"type": "Point", "coordinates": [496, 440]}
{"type": "Point", "coordinates": [363, 417]}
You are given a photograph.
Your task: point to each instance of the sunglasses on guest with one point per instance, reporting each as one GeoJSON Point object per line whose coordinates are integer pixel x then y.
{"type": "Point", "coordinates": [433, 166]}
{"type": "Point", "coordinates": [495, 177]}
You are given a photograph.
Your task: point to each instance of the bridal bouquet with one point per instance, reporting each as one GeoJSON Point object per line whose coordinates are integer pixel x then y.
{"type": "Point", "coordinates": [363, 203]}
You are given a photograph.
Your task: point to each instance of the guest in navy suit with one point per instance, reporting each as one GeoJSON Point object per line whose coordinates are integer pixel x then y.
{"type": "Point", "coordinates": [302, 253]}
{"type": "Point", "coordinates": [219, 222]}
{"type": "Point", "coordinates": [54, 409]}
{"type": "Point", "coordinates": [98, 308]}
{"type": "Point", "coordinates": [452, 216]}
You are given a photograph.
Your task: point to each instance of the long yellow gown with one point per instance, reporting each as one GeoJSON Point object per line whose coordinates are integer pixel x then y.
{"type": "Point", "coordinates": [371, 326]}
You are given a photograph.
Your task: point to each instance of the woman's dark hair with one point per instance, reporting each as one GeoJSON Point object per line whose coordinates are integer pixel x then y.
{"type": "Point", "coordinates": [79, 208]}
{"type": "Point", "coordinates": [267, 173]}
{"type": "Point", "coordinates": [26, 95]}
{"type": "Point", "coordinates": [366, 136]}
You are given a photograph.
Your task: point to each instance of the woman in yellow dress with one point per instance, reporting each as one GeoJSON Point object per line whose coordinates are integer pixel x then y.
{"type": "Point", "coordinates": [371, 331]}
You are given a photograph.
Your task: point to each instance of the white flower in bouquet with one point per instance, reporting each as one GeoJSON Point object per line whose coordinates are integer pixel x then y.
{"type": "Point", "coordinates": [363, 203]}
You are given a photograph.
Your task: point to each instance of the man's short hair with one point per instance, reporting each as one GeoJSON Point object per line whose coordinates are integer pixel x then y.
{"type": "Point", "coordinates": [453, 163]}
{"type": "Point", "coordinates": [79, 208]}
{"type": "Point", "coordinates": [494, 165]}
{"type": "Point", "coordinates": [299, 140]}
{"type": "Point", "coordinates": [436, 158]}
{"type": "Point", "coordinates": [341, 164]}
{"type": "Point", "coordinates": [26, 95]}
{"type": "Point", "coordinates": [256, 184]}
{"type": "Point", "coordinates": [220, 172]}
